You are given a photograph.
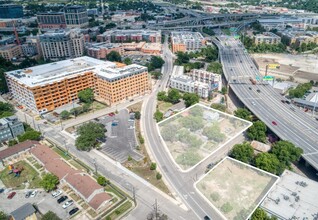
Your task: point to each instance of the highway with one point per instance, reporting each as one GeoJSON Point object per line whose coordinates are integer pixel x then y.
{"type": "Point", "coordinates": [292, 124]}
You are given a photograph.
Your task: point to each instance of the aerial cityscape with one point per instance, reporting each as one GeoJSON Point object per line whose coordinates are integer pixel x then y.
{"type": "Point", "coordinates": [159, 110]}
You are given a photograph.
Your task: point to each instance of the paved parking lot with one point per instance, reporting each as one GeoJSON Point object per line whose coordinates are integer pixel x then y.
{"type": "Point", "coordinates": [121, 141]}
{"type": "Point", "coordinates": [43, 200]}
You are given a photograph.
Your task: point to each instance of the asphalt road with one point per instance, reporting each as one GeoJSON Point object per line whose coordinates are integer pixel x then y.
{"type": "Point", "coordinates": [292, 124]}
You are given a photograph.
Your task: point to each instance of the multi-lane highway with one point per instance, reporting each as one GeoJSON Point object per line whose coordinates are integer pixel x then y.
{"type": "Point", "coordinates": [288, 122]}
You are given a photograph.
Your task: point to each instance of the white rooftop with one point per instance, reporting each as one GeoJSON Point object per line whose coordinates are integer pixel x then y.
{"type": "Point", "coordinates": [293, 197]}
{"type": "Point", "coordinates": [184, 36]}
{"type": "Point", "coordinates": [116, 73]}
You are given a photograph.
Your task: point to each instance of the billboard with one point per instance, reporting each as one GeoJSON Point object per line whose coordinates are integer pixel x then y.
{"type": "Point", "coordinates": [273, 66]}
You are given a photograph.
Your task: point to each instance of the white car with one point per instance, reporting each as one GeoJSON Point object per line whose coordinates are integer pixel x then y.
{"type": "Point", "coordinates": [67, 204]}
{"type": "Point", "coordinates": [56, 193]}
{"type": "Point", "coordinates": [33, 194]}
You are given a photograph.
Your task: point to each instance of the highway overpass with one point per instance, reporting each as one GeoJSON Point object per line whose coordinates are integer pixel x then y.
{"type": "Point", "coordinates": [288, 122]}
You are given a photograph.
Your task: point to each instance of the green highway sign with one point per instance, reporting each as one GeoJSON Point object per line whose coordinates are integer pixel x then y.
{"type": "Point", "coordinates": [268, 77]}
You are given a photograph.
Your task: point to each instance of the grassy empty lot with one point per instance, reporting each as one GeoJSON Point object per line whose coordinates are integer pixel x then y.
{"type": "Point", "coordinates": [235, 188]}
{"type": "Point", "coordinates": [27, 175]}
{"type": "Point", "coordinates": [164, 106]}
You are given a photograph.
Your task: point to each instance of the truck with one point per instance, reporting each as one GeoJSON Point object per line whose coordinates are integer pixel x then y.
{"type": "Point", "coordinates": [253, 81]}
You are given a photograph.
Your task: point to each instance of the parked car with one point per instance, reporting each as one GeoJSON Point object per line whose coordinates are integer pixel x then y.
{"type": "Point", "coordinates": [67, 204]}
{"type": "Point", "coordinates": [56, 193]}
{"type": "Point", "coordinates": [11, 195]}
{"type": "Point", "coordinates": [206, 217]}
{"type": "Point", "coordinates": [62, 199]}
{"type": "Point", "coordinates": [33, 194]}
{"type": "Point", "coordinates": [274, 122]}
{"type": "Point", "coordinates": [28, 194]}
{"type": "Point", "coordinates": [1, 190]}
{"type": "Point", "coordinates": [73, 211]}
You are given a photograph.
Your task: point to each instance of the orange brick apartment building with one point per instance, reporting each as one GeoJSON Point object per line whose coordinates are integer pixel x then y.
{"type": "Point", "coordinates": [46, 87]}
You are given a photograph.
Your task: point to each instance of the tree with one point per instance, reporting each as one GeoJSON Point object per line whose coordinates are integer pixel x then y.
{"type": "Point", "coordinates": [137, 115]}
{"type": "Point", "coordinates": [127, 61]}
{"type": "Point", "coordinates": [6, 109]}
{"type": "Point", "coordinates": [153, 166]}
{"type": "Point", "coordinates": [158, 176]}
{"type": "Point", "coordinates": [224, 90]}
{"type": "Point", "coordinates": [101, 180]}
{"type": "Point", "coordinates": [215, 67]}
{"type": "Point", "coordinates": [243, 152]}
{"type": "Point", "coordinates": [156, 74]}
{"type": "Point", "coordinates": [157, 62]}
{"type": "Point", "coordinates": [260, 214]}
{"type": "Point", "coordinates": [49, 182]}
{"type": "Point", "coordinates": [30, 135]}
{"type": "Point", "coordinates": [86, 95]}
{"type": "Point", "coordinates": [88, 134]}
{"type": "Point", "coordinates": [214, 133]}
{"type": "Point", "coordinates": [173, 96]}
{"type": "Point", "coordinates": [190, 99]}
{"type": "Point", "coordinates": [218, 106]}
{"type": "Point", "coordinates": [161, 96]}
{"type": "Point", "coordinates": [65, 115]}
{"type": "Point", "coordinates": [286, 152]}
{"type": "Point", "coordinates": [182, 58]}
{"type": "Point", "coordinates": [158, 115]}
{"type": "Point", "coordinates": [257, 131]}
{"type": "Point", "coordinates": [50, 216]}
{"type": "Point", "coordinates": [269, 163]}
{"type": "Point", "coordinates": [243, 113]}
{"type": "Point", "coordinates": [113, 56]}
{"type": "Point", "coordinates": [12, 142]}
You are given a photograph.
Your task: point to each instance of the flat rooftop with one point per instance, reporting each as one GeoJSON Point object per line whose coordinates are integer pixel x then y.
{"type": "Point", "coordinates": [235, 189]}
{"type": "Point", "coordinates": [184, 36]}
{"type": "Point", "coordinates": [293, 197]}
{"type": "Point", "coordinates": [51, 72]}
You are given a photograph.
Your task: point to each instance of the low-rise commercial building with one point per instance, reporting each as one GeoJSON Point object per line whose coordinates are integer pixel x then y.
{"type": "Point", "coordinates": [61, 44]}
{"type": "Point", "coordinates": [10, 51]}
{"type": "Point", "coordinates": [11, 11]}
{"type": "Point", "coordinates": [122, 36]}
{"type": "Point", "coordinates": [51, 20]}
{"type": "Point", "coordinates": [76, 16]}
{"type": "Point", "coordinates": [46, 87]}
{"type": "Point", "coordinates": [267, 38]}
{"type": "Point", "coordinates": [186, 41]}
{"type": "Point", "coordinates": [281, 23]}
{"type": "Point", "coordinates": [10, 128]}
{"type": "Point", "coordinates": [25, 212]}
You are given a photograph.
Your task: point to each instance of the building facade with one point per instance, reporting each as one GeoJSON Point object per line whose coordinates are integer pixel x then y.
{"type": "Point", "coordinates": [46, 87]}
{"type": "Point", "coordinates": [122, 36]}
{"type": "Point", "coordinates": [62, 44]}
{"type": "Point", "coordinates": [10, 128]}
{"type": "Point", "coordinates": [51, 20]}
{"type": "Point", "coordinates": [76, 16]}
{"type": "Point", "coordinates": [267, 38]}
{"type": "Point", "coordinates": [11, 11]}
{"type": "Point", "coordinates": [186, 41]}
{"type": "Point", "coordinates": [298, 37]}
{"type": "Point", "coordinates": [10, 51]}
{"type": "Point", "coordinates": [32, 46]}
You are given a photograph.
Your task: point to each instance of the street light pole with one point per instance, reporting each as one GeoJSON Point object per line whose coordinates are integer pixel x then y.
{"type": "Point", "coordinates": [95, 165]}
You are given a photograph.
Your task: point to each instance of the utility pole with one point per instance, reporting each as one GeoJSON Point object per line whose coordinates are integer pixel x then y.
{"type": "Point", "coordinates": [95, 165]}
{"type": "Point", "coordinates": [134, 193]}
{"type": "Point", "coordinates": [155, 206]}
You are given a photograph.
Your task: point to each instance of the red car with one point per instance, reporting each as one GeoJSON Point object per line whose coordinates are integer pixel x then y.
{"type": "Point", "coordinates": [274, 123]}
{"type": "Point", "coordinates": [111, 114]}
{"type": "Point", "coordinates": [11, 195]}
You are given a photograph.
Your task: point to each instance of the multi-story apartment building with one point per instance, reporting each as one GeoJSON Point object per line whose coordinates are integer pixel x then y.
{"type": "Point", "coordinates": [62, 44]}
{"type": "Point", "coordinates": [186, 41]}
{"type": "Point", "coordinates": [46, 87]}
{"type": "Point", "coordinates": [76, 16]}
{"type": "Point", "coordinates": [298, 37]}
{"type": "Point", "coordinates": [121, 36]}
{"type": "Point", "coordinates": [11, 11]}
{"type": "Point", "coordinates": [10, 127]}
{"type": "Point", "coordinates": [100, 50]}
{"type": "Point", "coordinates": [267, 38]}
{"type": "Point", "coordinates": [10, 51]}
{"type": "Point", "coordinates": [200, 82]}
{"type": "Point", "coordinates": [51, 20]}
{"type": "Point", "coordinates": [32, 46]}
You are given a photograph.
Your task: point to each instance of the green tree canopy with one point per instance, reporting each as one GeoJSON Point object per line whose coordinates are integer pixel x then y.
{"type": "Point", "coordinates": [101, 180]}
{"type": "Point", "coordinates": [214, 133]}
{"type": "Point", "coordinates": [286, 152]}
{"type": "Point", "coordinates": [137, 115]}
{"type": "Point", "coordinates": [190, 99]}
{"type": "Point", "coordinates": [243, 152]}
{"type": "Point", "coordinates": [260, 214]}
{"type": "Point", "coordinates": [113, 56]}
{"type": "Point", "coordinates": [243, 113]}
{"type": "Point", "coordinates": [65, 114]}
{"type": "Point", "coordinates": [30, 135]}
{"type": "Point", "coordinates": [173, 96]}
{"type": "Point", "coordinates": [127, 61]}
{"type": "Point", "coordinates": [86, 95]}
{"type": "Point", "coordinates": [218, 106]}
{"type": "Point", "coordinates": [215, 67]}
{"type": "Point", "coordinates": [157, 62]}
{"type": "Point", "coordinates": [162, 96]}
{"type": "Point", "coordinates": [88, 134]}
{"type": "Point", "coordinates": [257, 131]}
{"type": "Point", "coordinates": [49, 182]}
{"type": "Point", "coordinates": [182, 58]}
{"type": "Point", "coordinates": [158, 115]}
{"type": "Point", "coordinates": [50, 216]}
{"type": "Point", "coordinates": [6, 109]}
{"type": "Point", "coordinates": [269, 163]}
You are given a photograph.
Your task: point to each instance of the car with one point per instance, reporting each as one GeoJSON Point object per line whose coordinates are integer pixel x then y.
{"type": "Point", "coordinates": [73, 211]}
{"type": "Point", "coordinates": [206, 218]}
{"type": "Point", "coordinates": [274, 122]}
{"type": "Point", "coordinates": [288, 102]}
{"type": "Point", "coordinates": [258, 90]}
{"type": "Point", "coordinates": [11, 195]}
{"type": "Point", "coordinates": [291, 108]}
{"type": "Point", "coordinates": [253, 103]}
{"type": "Point", "coordinates": [1, 190]}
{"type": "Point", "coordinates": [33, 194]}
{"type": "Point", "coordinates": [28, 194]}
{"type": "Point", "coordinates": [283, 101]}
{"type": "Point", "coordinates": [62, 199]}
{"type": "Point", "coordinates": [56, 193]}
{"type": "Point", "coordinates": [67, 204]}
{"type": "Point", "coordinates": [111, 114]}
{"type": "Point", "coordinates": [249, 88]}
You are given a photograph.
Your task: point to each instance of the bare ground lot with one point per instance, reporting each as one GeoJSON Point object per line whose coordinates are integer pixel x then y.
{"type": "Point", "coordinates": [195, 133]}
{"type": "Point", "coordinates": [235, 189]}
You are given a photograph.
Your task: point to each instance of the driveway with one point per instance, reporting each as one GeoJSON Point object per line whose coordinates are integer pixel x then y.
{"type": "Point", "coordinates": [121, 141]}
